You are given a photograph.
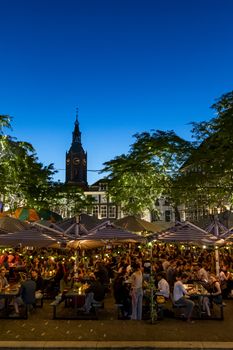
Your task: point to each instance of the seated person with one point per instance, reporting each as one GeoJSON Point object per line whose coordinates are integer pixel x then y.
{"type": "Point", "coordinates": [3, 284]}
{"type": "Point", "coordinates": [121, 291]}
{"type": "Point", "coordinates": [180, 296]}
{"type": "Point", "coordinates": [39, 283]}
{"type": "Point", "coordinates": [94, 293]}
{"type": "Point", "coordinates": [66, 282]}
{"type": "Point", "coordinates": [215, 294]}
{"type": "Point", "coordinates": [163, 286]}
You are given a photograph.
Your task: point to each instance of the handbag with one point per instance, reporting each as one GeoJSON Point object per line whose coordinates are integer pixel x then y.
{"type": "Point", "coordinates": [160, 299]}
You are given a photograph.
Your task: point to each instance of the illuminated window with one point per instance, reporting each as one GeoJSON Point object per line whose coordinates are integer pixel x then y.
{"type": "Point", "coordinates": [103, 211]}
{"type": "Point", "coordinates": [112, 211]}
{"type": "Point", "coordinates": [95, 211]}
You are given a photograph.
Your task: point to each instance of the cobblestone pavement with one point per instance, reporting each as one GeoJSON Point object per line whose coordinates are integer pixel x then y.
{"type": "Point", "coordinates": [41, 326]}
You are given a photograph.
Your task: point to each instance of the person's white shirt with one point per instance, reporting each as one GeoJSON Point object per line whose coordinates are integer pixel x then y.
{"type": "Point", "coordinates": [136, 280]}
{"type": "Point", "coordinates": [179, 291]}
{"type": "Point", "coordinates": [164, 288]}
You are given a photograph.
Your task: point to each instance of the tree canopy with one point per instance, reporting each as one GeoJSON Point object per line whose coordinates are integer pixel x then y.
{"type": "Point", "coordinates": [145, 173]}
{"type": "Point", "coordinates": [162, 163]}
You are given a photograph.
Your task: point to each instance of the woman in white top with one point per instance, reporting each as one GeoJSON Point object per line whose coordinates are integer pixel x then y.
{"type": "Point", "coordinates": [136, 293]}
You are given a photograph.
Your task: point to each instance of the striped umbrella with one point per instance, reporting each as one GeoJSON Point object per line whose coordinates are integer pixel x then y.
{"type": "Point", "coordinates": [9, 224]}
{"type": "Point", "coordinates": [33, 237]}
{"type": "Point", "coordinates": [184, 232]}
{"type": "Point", "coordinates": [110, 232]}
{"type": "Point", "coordinates": [26, 214]}
{"type": "Point", "coordinates": [135, 224]}
{"type": "Point", "coordinates": [216, 228]}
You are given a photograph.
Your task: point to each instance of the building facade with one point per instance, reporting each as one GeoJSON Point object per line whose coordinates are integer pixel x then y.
{"type": "Point", "coordinates": [104, 207]}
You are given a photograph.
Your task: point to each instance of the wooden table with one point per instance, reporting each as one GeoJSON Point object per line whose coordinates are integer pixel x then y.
{"type": "Point", "coordinates": [8, 294]}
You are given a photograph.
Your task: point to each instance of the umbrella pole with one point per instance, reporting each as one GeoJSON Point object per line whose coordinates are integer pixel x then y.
{"type": "Point", "coordinates": [216, 233]}
{"type": "Point", "coordinates": [217, 261]}
{"type": "Point", "coordinates": [76, 260]}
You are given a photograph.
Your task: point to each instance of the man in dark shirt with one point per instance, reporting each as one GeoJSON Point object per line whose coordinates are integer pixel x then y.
{"type": "Point", "coordinates": [27, 294]}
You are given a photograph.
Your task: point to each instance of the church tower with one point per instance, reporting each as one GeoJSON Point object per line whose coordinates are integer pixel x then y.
{"type": "Point", "coordinates": [76, 160]}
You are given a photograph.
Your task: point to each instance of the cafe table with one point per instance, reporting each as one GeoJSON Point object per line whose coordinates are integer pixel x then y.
{"type": "Point", "coordinates": [74, 299]}
{"type": "Point", "coordinates": [8, 294]}
{"type": "Point", "coordinates": [197, 292]}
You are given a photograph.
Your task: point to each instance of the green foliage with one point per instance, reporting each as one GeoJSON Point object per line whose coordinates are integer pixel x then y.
{"type": "Point", "coordinates": [23, 180]}
{"type": "Point", "coordinates": [137, 179]}
{"type": "Point", "coordinates": [69, 200]}
{"type": "Point", "coordinates": [207, 176]}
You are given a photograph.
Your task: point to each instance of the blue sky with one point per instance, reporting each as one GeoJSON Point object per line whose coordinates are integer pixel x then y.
{"type": "Point", "coordinates": [129, 65]}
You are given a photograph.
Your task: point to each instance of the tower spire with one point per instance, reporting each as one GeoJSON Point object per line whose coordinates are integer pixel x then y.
{"type": "Point", "coordinates": [76, 132]}
{"type": "Point", "coordinates": [77, 110]}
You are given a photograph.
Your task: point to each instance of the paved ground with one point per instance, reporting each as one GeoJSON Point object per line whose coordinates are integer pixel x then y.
{"type": "Point", "coordinates": [40, 327]}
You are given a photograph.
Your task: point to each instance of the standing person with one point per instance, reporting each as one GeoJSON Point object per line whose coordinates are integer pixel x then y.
{"type": "Point", "coordinates": [179, 293]}
{"type": "Point", "coordinates": [27, 293]}
{"type": "Point", "coordinates": [136, 293]}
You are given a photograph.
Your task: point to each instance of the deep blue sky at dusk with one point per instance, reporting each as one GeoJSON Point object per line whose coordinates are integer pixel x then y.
{"type": "Point", "coordinates": [129, 65]}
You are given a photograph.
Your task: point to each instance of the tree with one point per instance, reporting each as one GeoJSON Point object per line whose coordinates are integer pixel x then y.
{"type": "Point", "coordinates": [69, 200]}
{"type": "Point", "coordinates": [23, 180]}
{"type": "Point", "coordinates": [207, 176]}
{"type": "Point", "coordinates": [146, 173]}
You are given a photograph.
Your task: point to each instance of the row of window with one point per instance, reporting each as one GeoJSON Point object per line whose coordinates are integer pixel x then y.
{"type": "Point", "coordinates": [104, 211]}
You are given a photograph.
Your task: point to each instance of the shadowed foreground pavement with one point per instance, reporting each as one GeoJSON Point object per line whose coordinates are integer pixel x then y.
{"type": "Point", "coordinates": [40, 331]}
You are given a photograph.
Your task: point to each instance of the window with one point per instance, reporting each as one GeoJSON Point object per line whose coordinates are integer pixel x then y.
{"type": "Point", "coordinates": [103, 199]}
{"type": "Point", "coordinates": [112, 211]}
{"type": "Point", "coordinates": [167, 215]}
{"type": "Point", "coordinates": [95, 211]}
{"type": "Point", "coordinates": [103, 211]}
{"type": "Point", "coordinates": [96, 197]}
{"type": "Point", "coordinates": [102, 186]}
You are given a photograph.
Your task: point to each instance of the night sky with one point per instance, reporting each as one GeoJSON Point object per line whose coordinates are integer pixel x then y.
{"type": "Point", "coordinates": [128, 65]}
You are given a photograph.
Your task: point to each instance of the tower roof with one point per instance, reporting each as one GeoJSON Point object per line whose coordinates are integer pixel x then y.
{"type": "Point", "coordinates": [76, 133]}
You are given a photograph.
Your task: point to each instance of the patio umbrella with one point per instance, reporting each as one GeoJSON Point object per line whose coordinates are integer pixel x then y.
{"type": "Point", "coordinates": [135, 224]}
{"type": "Point", "coordinates": [46, 214]}
{"type": "Point", "coordinates": [186, 232]}
{"type": "Point", "coordinates": [30, 214]}
{"type": "Point", "coordinates": [226, 218]}
{"type": "Point", "coordinates": [110, 232]}
{"type": "Point", "coordinates": [216, 228]}
{"type": "Point", "coordinates": [32, 237]}
{"type": "Point", "coordinates": [84, 222]}
{"type": "Point", "coordinates": [26, 214]}
{"type": "Point", "coordinates": [84, 244]}
{"type": "Point", "coordinates": [9, 224]}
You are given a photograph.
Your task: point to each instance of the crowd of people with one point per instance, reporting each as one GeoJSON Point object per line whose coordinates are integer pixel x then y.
{"type": "Point", "coordinates": [128, 273]}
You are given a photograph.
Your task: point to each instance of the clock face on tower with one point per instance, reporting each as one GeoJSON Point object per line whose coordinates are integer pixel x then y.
{"type": "Point", "coordinates": [68, 160]}
{"type": "Point", "coordinates": [76, 161]}
{"type": "Point", "coordinates": [84, 162]}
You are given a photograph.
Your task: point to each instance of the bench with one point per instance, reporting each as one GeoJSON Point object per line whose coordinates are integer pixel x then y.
{"type": "Point", "coordinates": [119, 308]}
{"type": "Point", "coordinates": [39, 301]}
{"type": "Point", "coordinates": [220, 308]}
{"type": "Point", "coordinates": [76, 315]}
{"type": "Point", "coordinates": [54, 305]}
